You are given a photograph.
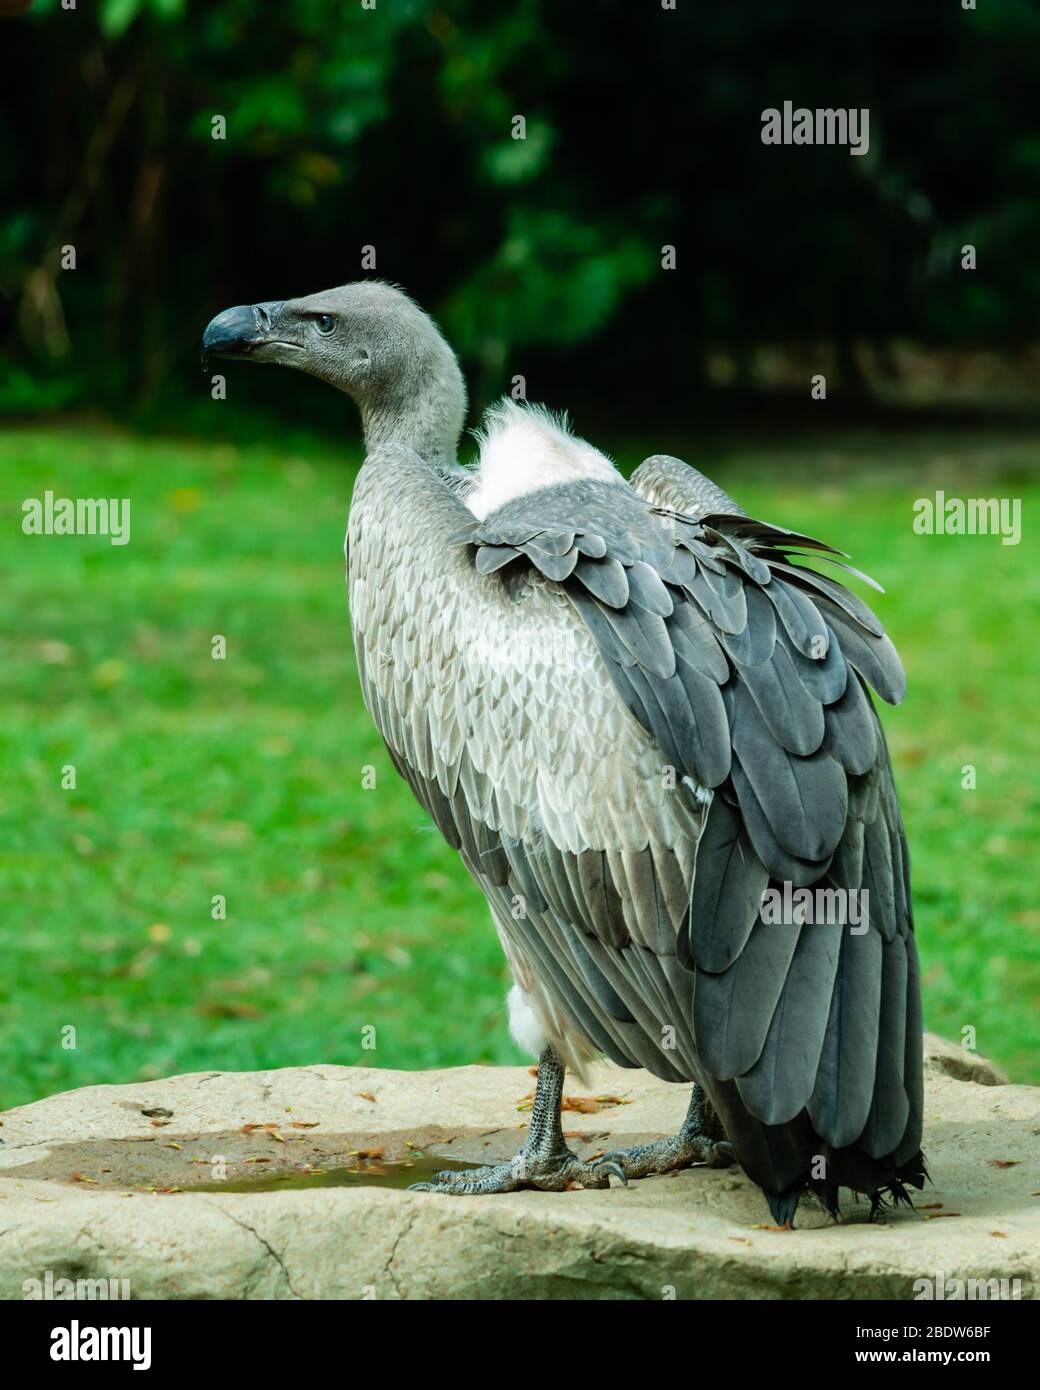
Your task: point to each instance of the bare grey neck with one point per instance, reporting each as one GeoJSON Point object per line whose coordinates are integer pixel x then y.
{"type": "Point", "coordinates": [425, 410]}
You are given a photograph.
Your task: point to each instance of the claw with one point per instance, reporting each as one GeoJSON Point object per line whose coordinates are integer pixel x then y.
{"type": "Point", "coordinates": [610, 1167]}
{"type": "Point", "coordinates": [666, 1156]}
{"type": "Point", "coordinates": [555, 1173]}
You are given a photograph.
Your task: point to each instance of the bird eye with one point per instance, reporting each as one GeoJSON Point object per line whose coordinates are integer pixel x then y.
{"type": "Point", "coordinates": [325, 323]}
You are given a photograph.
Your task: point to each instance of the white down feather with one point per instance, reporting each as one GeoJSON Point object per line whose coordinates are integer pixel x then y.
{"type": "Point", "coordinates": [525, 447]}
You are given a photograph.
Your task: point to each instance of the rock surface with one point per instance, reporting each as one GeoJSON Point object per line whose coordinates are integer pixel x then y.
{"type": "Point", "coordinates": [82, 1177]}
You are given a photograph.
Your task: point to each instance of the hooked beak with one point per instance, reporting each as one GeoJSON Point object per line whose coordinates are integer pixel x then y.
{"type": "Point", "coordinates": [241, 331]}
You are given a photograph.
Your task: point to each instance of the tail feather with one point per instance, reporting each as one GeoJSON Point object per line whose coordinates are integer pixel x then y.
{"type": "Point", "coordinates": [788, 1160]}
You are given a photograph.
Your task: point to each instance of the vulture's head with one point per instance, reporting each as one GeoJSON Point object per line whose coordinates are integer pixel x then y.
{"type": "Point", "coordinates": [367, 339]}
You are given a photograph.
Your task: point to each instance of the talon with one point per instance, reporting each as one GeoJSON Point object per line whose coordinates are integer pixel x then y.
{"type": "Point", "coordinates": [546, 1164]}
{"type": "Point", "coordinates": [609, 1167]}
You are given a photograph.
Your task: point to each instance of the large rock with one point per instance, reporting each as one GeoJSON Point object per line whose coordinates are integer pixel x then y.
{"type": "Point", "coordinates": [82, 1177]}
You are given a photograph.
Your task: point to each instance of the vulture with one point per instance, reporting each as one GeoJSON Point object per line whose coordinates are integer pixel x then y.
{"type": "Point", "coordinates": [643, 721]}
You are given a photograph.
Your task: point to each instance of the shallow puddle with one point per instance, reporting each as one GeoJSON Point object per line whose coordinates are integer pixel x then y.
{"type": "Point", "coordinates": [373, 1174]}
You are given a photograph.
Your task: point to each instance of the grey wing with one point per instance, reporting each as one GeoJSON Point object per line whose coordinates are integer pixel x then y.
{"type": "Point", "coordinates": [665, 481]}
{"type": "Point", "coordinates": [749, 671]}
{"type": "Point", "coordinates": [844, 1036]}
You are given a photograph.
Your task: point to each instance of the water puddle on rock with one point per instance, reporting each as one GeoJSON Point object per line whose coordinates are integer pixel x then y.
{"type": "Point", "coordinates": [382, 1174]}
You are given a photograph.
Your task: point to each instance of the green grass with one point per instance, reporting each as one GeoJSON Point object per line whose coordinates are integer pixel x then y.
{"type": "Point", "coordinates": [243, 777]}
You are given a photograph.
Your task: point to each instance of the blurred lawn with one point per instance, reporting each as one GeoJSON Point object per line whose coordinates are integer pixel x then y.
{"type": "Point", "coordinates": [243, 777]}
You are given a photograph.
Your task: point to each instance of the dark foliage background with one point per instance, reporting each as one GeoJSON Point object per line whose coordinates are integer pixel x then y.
{"type": "Point", "coordinates": [391, 127]}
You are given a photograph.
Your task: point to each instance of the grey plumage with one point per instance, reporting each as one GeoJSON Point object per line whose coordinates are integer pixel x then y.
{"type": "Point", "coordinates": [633, 709]}
{"type": "Point", "coordinates": [840, 1102]}
{"type": "Point", "coordinates": [727, 893]}
{"type": "Point", "coordinates": [779, 1083]}
{"type": "Point", "coordinates": [773, 719]}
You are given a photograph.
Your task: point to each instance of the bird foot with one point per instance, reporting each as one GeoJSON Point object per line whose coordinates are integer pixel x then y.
{"type": "Point", "coordinates": [670, 1155]}
{"type": "Point", "coordinates": [554, 1172]}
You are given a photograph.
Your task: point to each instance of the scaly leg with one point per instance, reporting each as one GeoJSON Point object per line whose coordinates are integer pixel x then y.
{"type": "Point", "coordinates": [544, 1162]}
{"type": "Point", "coordinates": [701, 1140]}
